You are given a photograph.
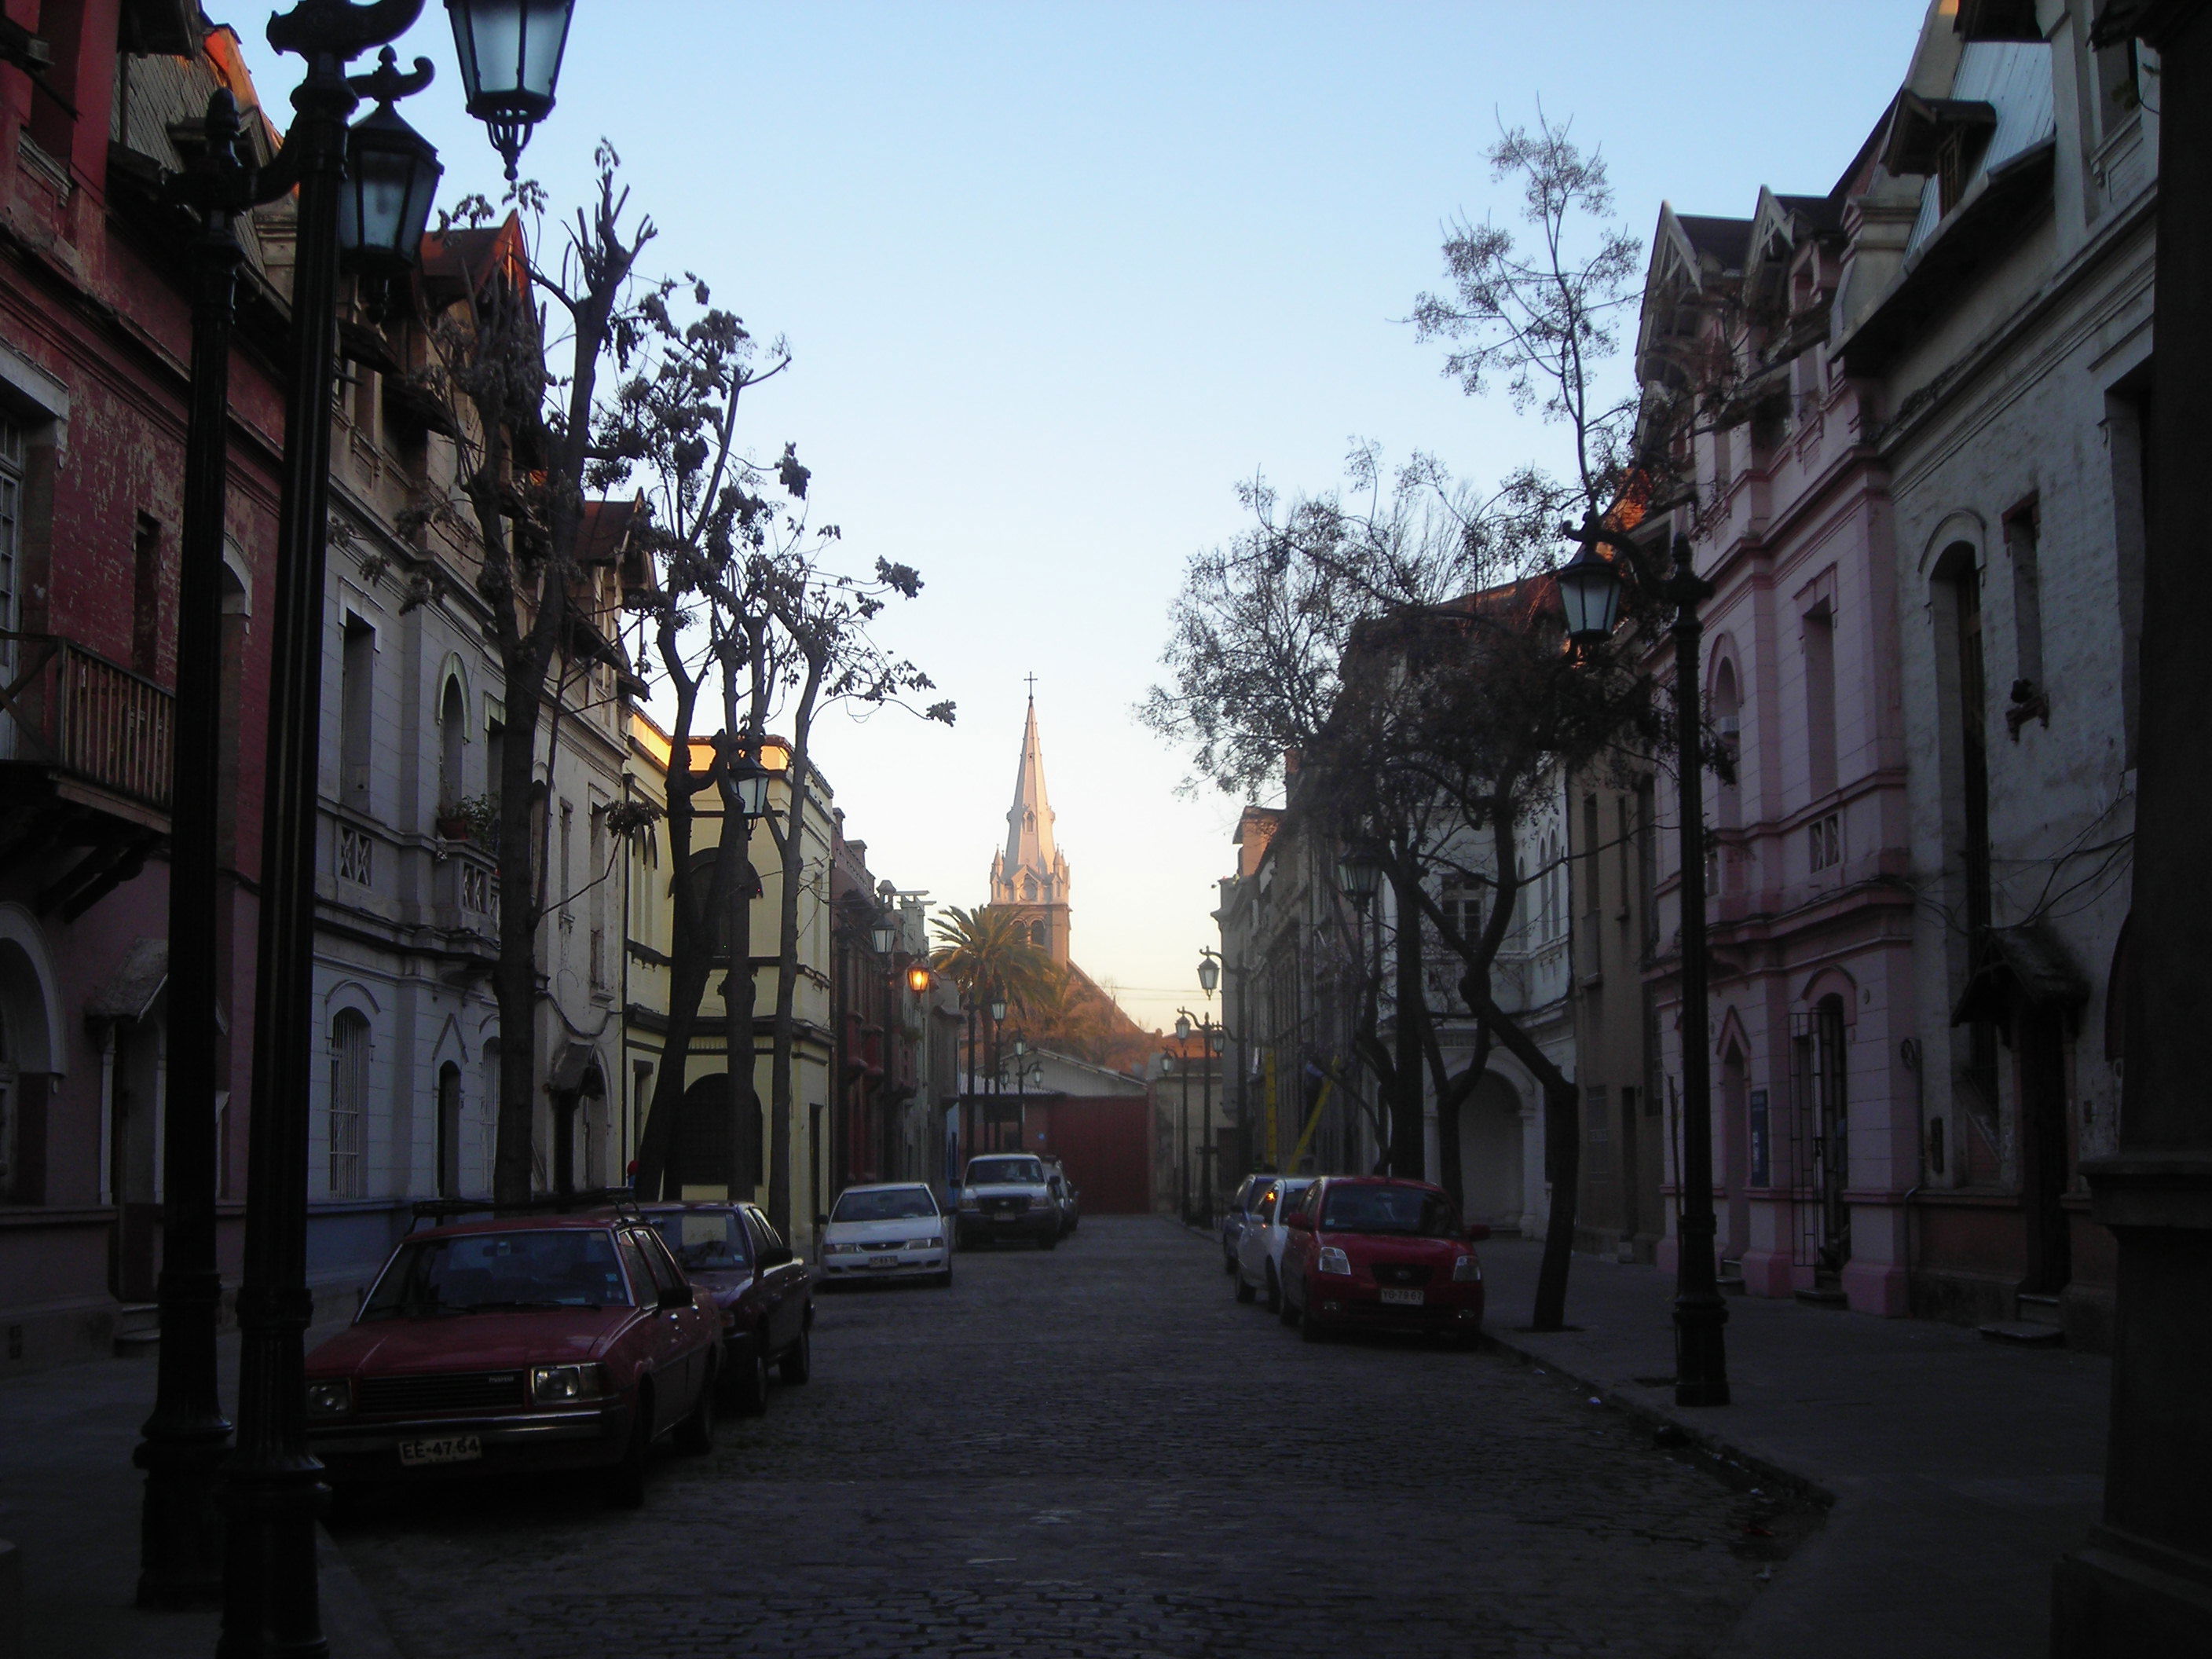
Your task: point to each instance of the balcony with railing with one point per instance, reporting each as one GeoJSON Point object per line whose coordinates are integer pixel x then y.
{"type": "Point", "coordinates": [102, 734]}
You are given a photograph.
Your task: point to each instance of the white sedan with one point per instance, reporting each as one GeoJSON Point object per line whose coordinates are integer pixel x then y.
{"type": "Point", "coordinates": [889, 1231]}
{"type": "Point", "coordinates": [1259, 1246]}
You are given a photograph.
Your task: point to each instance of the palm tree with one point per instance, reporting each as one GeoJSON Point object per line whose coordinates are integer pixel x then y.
{"type": "Point", "coordinates": [987, 949]}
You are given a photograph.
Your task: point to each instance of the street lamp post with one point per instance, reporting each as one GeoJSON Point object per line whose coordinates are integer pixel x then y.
{"type": "Point", "coordinates": [269, 1484]}
{"type": "Point", "coordinates": [1182, 1029]}
{"type": "Point", "coordinates": [1209, 976]}
{"type": "Point", "coordinates": [998, 1025]}
{"type": "Point", "coordinates": [1359, 873]}
{"type": "Point", "coordinates": [1590, 591]}
{"type": "Point", "coordinates": [180, 1533]}
{"type": "Point", "coordinates": [748, 781]}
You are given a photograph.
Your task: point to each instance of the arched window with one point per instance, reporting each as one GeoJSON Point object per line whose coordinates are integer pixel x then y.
{"type": "Point", "coordinates": [452, 727]}
{"type": "Point", "coordinates": [1728, 714]}
{"type": "Point", "coordinates": [348, 1105]}
{"type": "Point", "coordinates": [449, 1130]}
{"type": "Point", "coordinates": [1040, 935]}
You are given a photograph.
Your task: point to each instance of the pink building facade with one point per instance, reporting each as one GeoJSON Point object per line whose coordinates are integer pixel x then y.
{"type": "Point", "coordinates": [1810, 927]}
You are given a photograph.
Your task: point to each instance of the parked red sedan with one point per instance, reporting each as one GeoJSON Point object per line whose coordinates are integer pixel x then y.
{"type": "Point", "coordinates": [1370, 1253]}
{"type": "Point", "coordinates": [532, 1342]}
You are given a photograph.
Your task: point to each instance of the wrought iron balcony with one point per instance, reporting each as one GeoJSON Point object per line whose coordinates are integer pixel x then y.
{"type": "Point", "coordinates": [103, 733]}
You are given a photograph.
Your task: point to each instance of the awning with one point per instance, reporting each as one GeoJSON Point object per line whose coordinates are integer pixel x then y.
{"type": "Point", "coordinates": [129, 991]}
{"type": "Point", "coordinates": [2015, 966]}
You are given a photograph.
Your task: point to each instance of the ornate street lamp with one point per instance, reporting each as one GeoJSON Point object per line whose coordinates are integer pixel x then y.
{"type": "Point", "coordinates": [1209, 971]}
{"type": "Point", "coordinates": [997, 1007]}
{"type": "Point", "coordinates": [884, 935]}
{"type": "Point", "coordinates": [270, 1483]}
{"type": "Point", "coordinates": [1590, 593]}
{"type": "Point", "coordinates": [510, 55]}
{"type": "Point", "coordinates": [1359, 871]}
{"type": "Point", "coordinates": [918, 978]}
{"type": "Point", "coordinates": [1700, 1311]}
{"type": "Point", "coordinates": [1182, 1027]}
{"type": "Point", "coordinates": [392, 180]}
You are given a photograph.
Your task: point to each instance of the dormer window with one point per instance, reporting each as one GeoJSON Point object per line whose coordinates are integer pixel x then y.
{"type": "Point", "coordinates": [1940, 137]}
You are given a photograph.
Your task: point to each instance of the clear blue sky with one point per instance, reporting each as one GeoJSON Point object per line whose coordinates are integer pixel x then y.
{"type": "Point", "coordinates": [1058, 276]}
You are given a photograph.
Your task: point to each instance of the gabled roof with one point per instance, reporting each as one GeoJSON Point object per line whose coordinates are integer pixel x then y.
{"type": "Point", "coordinates": [461, 263]}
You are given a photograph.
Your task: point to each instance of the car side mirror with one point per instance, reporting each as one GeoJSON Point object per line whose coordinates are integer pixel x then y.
{"type": "Point", "coordinates": [675, 1296]}
{"type": "Point", "coordinates": [1477, 1232]}
{"type": "Point", "coordinates": [775, 1256]}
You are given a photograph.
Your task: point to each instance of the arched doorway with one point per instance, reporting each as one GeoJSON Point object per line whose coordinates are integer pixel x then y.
{"type": "Point", "coordinates": [449, 1130]}
{"type": "Point", "coordinates": [718, 1151]}
{"type": "Point", "coordinates": [1491, 1152]}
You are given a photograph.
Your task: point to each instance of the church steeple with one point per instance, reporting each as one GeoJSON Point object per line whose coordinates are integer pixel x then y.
{"type": "Point", "coordinates": [1031, 874]}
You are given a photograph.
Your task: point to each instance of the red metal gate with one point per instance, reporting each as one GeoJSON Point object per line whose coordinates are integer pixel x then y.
{"type": "Point", "coordinates": [1104, 1144]}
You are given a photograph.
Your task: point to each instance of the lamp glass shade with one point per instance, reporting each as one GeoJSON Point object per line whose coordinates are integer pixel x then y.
{"type": "Point", "coordinates": [917, 979]}
{"type": "Point", "coordinates": [1209, 974]}
{"type": "Point", "coordinates": [1358, 873]}
{"type": "Point", "coordinates": [885, 937]}
{"type": "Point", "coordinates": [391, 183]}
{"type": "Point", "coordinates": [1590, 593]}
{"type": "Point", "coordinates": [998, 1009]}
{"type": "Point", "coordinates": [751, 779]}
{"type": "Point", "coordinates": [1021, 1046]}
{"type": "Point", "coordinates": [510, 58]}
{"type": "Point", "coordinates": [1182, 1028]}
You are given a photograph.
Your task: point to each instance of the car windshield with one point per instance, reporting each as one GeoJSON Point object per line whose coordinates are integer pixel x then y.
{"type": "Point", "coordinates": [702, 1241]}
{"type": "Point", "coordinates": [1406, 1211]}
{"type": "Point", "coordinates": [482, 1273]}
{"type": "Point", "coordinates": [1005, 1172]}
{"type": "Point", "coordinates": [890, 1204]}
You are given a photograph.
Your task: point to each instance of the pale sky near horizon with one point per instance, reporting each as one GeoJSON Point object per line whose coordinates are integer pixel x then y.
{"type": "Point", "coordinates": [1057, 276]}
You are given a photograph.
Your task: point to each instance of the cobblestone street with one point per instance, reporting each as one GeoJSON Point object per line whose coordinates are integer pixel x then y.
{"type": "Point", "coordinates": [1096, 1451]}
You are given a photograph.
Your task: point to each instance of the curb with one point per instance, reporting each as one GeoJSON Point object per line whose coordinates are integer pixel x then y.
{"type": "Point", "coordinates": [1668, 1425]}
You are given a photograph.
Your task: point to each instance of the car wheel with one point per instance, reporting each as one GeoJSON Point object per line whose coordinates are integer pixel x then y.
{"type": "Point", "coordinates": [1245, 1290]}
{"type": "Point", "coordinates": [695, 1435]}
{"type": "Point", "coordinates": [749, 1380]}
{"type": "Point", "coordinates": [798, 1362]}
{"type": "Point", "coordinates": [1284, 1310]}
{"type": "Point", "coordinates": [625, 1481]}
{"type": "Point", "coordinates": [1274, 1291]}
{"type": "Point", "coordinates": [1228, 1260]}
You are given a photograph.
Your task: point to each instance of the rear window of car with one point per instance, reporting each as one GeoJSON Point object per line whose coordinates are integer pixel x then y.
{"type": "Point", "coordinates": [1005, 1172]}
{"type": "Point", "coordinates": [1404, 1211]}
{"type": "Point", "coordinates": [892, 1204]}
{"type": "Point", "coordinates": [703, 1241]}
{"type": "Point", "coordinates": [486, 1273]}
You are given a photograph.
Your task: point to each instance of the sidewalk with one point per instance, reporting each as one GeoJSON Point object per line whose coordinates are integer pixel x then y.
{"type": "Point", "coordinates": [1958, 1470]}
{"type": "Point", "coordinates": [68, 1501]}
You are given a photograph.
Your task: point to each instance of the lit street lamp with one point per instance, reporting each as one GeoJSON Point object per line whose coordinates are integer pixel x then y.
{"type": "Point", "coordinates": [1590, 590]}
{"type": "Point", "coordinates": [364, 196]}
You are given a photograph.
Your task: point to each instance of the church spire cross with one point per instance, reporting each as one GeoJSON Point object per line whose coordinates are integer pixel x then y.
{"type": "Point", "coordinates": [1031, 680]}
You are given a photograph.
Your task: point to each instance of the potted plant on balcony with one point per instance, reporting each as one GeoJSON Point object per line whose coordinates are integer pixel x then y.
{"type": "Point", "coordinates": [472, 817]}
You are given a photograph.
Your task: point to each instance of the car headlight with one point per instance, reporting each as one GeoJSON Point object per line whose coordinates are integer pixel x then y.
{"type": "Point", "coordinates": [1466, 1270]}
{"type": "Point", "coordinates": [841, 1250]}
{"type": "Point", "coordinates": [559, 1385]}
{"type": "Point", "coordinates": [969, 1201]}
{"type": "Point", "coordinates": [1039, 1201]}
{"type": "Point", "coordinates": [330, 1399]}
{"type": "Point", "coordinates": [1333, 1261]}
{"type": "Point", "coordinates": [923, 1243]}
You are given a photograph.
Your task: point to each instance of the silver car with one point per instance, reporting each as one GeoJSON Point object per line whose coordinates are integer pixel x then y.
{"type": "Point", "coordinates": [1260, 1246]}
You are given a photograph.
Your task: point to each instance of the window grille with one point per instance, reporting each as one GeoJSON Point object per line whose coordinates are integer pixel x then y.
{"type": "Point", "coordinates": [355, 857]}
{"type": "Point", "coordinates": [476, 888]}
{"type": "Point", "coordinates": [1827, 841]}
{"type": "Point", "coordinates": [349, 1104]}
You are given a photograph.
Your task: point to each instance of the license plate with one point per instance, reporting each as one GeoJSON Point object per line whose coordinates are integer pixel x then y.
{"type": "Point", "coordinates": [884, 1261]}
{"type": "Point", "coordinates": [457, 1449]}
{"type": "Point", "coordinates": [1405, 1299]}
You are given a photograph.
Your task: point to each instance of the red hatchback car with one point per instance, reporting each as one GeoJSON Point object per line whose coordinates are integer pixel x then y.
{"type": "Point", "coordinates": [1371, 1253]}
{"type": "Point", "coordinates": [531, 1342]}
